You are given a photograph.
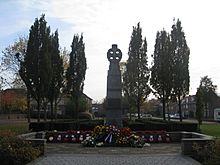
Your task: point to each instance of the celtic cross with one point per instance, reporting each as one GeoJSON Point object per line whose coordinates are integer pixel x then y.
{"type": "Point", "coordinates": [114, 54]}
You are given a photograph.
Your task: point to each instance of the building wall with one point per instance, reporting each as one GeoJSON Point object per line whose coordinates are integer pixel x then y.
{"type": "Point", "coordinates": [9, 99]}
{"type": "Point", "coordinates": [189, 107]}
{"type": "Point", "coordinates": [61, 106]}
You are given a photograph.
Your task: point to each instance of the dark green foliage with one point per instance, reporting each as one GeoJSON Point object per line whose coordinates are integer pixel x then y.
{"type": "Point", "coordinates": [161, 71]}
{"type": "Point", "coordinates": [199, 106]}
{"type": "Point", "coordinates": [77, 67]}
{"type": "Point", "coordinates": [16, 151]}
{"type": "Point", "coordinates": [76, 71]}
{"type": "Point", "coordinates": [41, 67]}
{"type": "Point", "coordinates": [70, 107]}
{"type": "Point", "coordinates": [170, 70]}
{"type": "Point", "coordinates": [83, 124]}
{"type": "Point", "coordinates": [136, 76]}
{"type": "Point", "coordinates": [83, 105]}
{"type": "Point", "coordinates": [35, 70]}
{"type": "Point", "coordinates": [85, 115]}
{"type": "Point", "coordinates": [180, 64]}
{"type": "Point", "coordinates": [152, 125]}
{"type": "Point", "coordinates": [56, 82]}
{"type": "Point", "coordinates": [138, 125]}
{"type": "Point", "coordinates": [208, 154]}
{"type": "Point", "coordinates": [208, 91]}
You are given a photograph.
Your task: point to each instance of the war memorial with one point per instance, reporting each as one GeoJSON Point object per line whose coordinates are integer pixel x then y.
{"type": "Point", "coordinates": [138, 144]}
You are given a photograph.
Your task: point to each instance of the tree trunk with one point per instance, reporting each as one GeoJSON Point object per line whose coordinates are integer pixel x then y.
{"type": "Point", "coordinates": [138, 108]}
{"type": "Point", "coordinates": [164, 108]}
{"type": "Point", "coordinates": [45, 111]}
{"type": "Point", "coordinates": [77, 111]}
{"type": "Point", "coordinates": [38, 110]}
{"type": "Point", "coordinates": [168, 111]}
{"type": "Point", "coordinates": [28, 107]}
{"type": "Point", "coordinates": [51, 111]}
{"type": "Point", "coordinates": [55, 108]}
{"type": "Point", "coordinates": [180, 108]}
{"type": "Point", "coordinates": [206, 110]}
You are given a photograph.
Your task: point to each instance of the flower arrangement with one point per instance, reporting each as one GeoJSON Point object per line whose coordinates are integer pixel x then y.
{"type": "Point", "coordinates": [89, 142]}
{"type": "Point", "coordinates": [154, 136]}
{"type": "Point", "coordinates": [125, 131]}
{"type": "Point", "coordinates": [136, 141]}
{"type": "Point", "coordinates": [110, 135]}
{"type": "Point", "coordinates": [122, 141]}
{"type": "Point", "coordinates": [70, 136]}
{"type": "Point", "coordinates": [98, 129]}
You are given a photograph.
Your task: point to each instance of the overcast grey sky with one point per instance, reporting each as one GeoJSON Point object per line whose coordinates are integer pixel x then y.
{"type": "Point", "coordinates": [107, 22]}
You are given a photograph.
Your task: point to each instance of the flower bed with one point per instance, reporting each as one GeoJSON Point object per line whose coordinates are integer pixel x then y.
{"type": "Point", "coordinates": [108, 135]}
{"type": "Point", "coordinates": [154, 136]}
{"type": "Point", "coordinates": [70, 136]}
{"type": "Point", "coordinates": [15, 150]}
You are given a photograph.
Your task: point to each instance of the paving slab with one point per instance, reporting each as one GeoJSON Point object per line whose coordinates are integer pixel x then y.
{"type": "Point", "coordinates": [75, 154]}
{"type": "Point", "coordinates": [155, 148]}
{"type": "Point", "coordinates": [101, 159]}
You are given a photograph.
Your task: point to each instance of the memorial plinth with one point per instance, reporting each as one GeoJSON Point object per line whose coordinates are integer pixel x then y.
{"type": "Point", "coordinates": [114, 88]}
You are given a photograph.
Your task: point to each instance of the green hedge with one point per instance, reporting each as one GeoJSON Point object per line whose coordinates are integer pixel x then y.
{"type": "Point", "coordinates": [64, 126]}
{"type": "Point", "coordinates": [168, 125]}
{"type": "Point", "coordinates": [137, 125]}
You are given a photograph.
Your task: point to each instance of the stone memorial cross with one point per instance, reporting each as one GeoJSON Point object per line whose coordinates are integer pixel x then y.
{"type": "Point", "coordinates": [113, 109]}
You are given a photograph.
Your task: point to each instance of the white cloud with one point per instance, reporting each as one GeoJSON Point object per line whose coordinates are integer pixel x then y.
{"type": "Point", "coordinates": [104, 22]}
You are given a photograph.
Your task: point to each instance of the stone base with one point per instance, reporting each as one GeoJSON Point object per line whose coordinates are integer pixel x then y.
{"type": "Point", "coordinates": [114, 117]}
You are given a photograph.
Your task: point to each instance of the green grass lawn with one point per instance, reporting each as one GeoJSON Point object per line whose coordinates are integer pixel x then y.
{"type": "Point", "coordinates": [211, 129]}
{"type": "Point", "coordinates": [18, 128]}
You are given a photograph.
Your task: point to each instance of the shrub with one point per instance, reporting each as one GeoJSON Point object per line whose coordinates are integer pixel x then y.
{"type": "Point", "coordinates": [90, 125]}
{"type": "Point", "coordinates": [85, 115]}
{"type": "Point", "coordinates": [83, 124]}
{"type": "Point", "coordinates": [208, 154]}
{"type": "Point", "coordinates": [170, 126]}
{"type": "Point", "coordinates": [16, 151]}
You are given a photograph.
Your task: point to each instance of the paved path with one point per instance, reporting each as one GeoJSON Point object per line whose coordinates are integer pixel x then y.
{"type": "Point", "coordinates": [156, 148]}
{"type": "Point", "coordinates": [75, 154]}
{"type": "Point", "coordinates": [100, 159]}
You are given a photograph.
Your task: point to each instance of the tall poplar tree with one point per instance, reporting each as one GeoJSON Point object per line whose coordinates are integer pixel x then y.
{"type": "Point", "coordinates": [35, 69]}
{"type": "Point", "coordinates": [161, 71]}
{"type": "Point", "coordinates": [208, 90]}
{"type": "Point", "coordinates": [56, 82]}
{"type": "Point", "coordinates": [199, 106]}
{"type": "Point", "coordinates": [180, 55]}
{"type": "Point", "coordinates": [76, 71]}
{"type": "Point", "coordinates": [136, 76]}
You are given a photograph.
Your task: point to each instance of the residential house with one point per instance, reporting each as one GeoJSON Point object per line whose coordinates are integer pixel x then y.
{"type": "Point", "coordinates": [188, 106]}
{"type": "Point", "coordinates": [12, 99]}
{"type": "Point", "coordinates": [61, 106]}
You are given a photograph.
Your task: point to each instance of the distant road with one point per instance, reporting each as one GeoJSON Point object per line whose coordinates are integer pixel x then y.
{"type": "Point", "coordinates": [12, 121]}
{"type": "Point", "coordinates": [191, 121]}
{"type": "Point", "coordinates": [195, 121]}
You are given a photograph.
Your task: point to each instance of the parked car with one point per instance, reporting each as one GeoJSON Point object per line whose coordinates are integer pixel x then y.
{"type": "Point", "coordinates": [148, 116]}
{"type": "Point", "coordinates": [170, 115]}
{"type": "Point", "coordinates": [175, 116]}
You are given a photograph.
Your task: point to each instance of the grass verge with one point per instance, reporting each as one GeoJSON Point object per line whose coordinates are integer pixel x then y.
{"type": "Point", "coordinates": [18, 128]}
{"type": "Point", "coordinates": [211, 129]}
